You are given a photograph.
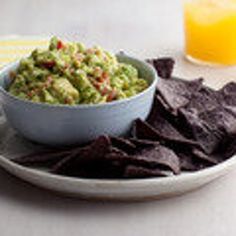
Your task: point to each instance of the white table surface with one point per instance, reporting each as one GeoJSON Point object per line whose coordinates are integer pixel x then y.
{"type": "Point", "coordinates": [143, 28]}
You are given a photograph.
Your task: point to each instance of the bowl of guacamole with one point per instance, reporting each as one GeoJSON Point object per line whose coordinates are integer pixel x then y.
{"type": "Point", "coordinates": [69, 94]}
{"type": "Point", "coordinates": [71, 74]}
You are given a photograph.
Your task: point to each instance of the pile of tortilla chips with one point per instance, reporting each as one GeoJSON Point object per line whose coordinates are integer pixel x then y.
{"type": "Point", "coordinates": [190, 127]}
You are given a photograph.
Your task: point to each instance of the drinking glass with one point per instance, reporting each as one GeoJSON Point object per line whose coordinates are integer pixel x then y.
{"type": "Point", "coordinates": [210, 31]}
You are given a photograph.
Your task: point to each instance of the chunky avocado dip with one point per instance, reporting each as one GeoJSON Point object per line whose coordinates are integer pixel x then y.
{"type": "Point", "coordinates": [69, 73]}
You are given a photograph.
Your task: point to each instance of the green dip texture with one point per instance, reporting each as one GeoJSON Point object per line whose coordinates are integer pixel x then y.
{"type": "Point", "coordinates": [69, 73]}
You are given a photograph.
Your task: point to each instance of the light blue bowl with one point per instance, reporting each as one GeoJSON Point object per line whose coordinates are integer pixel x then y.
{"type": "Point", "coordinates": [67, 125]}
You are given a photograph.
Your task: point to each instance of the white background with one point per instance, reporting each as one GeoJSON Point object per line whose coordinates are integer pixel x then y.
{"type": "Point", "coordinates": [144, 28]}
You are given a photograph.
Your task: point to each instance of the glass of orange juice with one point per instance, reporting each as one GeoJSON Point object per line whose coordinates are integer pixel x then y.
{"type": "Point", "coordinates": [210, 31]}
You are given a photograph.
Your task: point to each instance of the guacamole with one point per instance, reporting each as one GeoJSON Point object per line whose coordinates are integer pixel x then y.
{"type": "Point", "coordinates": [70, 73]}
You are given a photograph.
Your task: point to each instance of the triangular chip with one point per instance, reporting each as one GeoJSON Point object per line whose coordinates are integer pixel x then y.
{"type": "Point", "coordinates": [204, 99]}
{"type": "Point", "coordinates": [93, 152]}
{"type": "Point", "coordinates": [201, 131]}
{"type": "Point", "coordinates": [155, 157]}
{"type": "Point", "coordinates": [177, 93]}
{"type": "Point", "coordinates": [123, 143]}
{"type": "Point", "coordinates": [164, 66]}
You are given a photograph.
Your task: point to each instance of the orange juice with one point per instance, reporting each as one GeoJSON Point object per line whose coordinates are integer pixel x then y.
{"type": "Point", "coordinates": [210, 30]}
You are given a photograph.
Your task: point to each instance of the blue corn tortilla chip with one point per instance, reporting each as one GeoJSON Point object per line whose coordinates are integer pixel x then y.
{"type": "Point", "coordinates": [156, 157]}
{"type": "Point", "coordinates": [142, 130]}
{"type": "Point", "coordinates": [228, 149]}
{"type": "Point", "coordinates": [123, 144]}
{"type": "Point", "coordinates": [194, 159]}
{"type": "Point", "coordinates": [210, 127]}
{"type": "Point", "coordinates": [142, 172]}
{"type": "Point", "coordinates": [204, 99]}
{"type": "Point", "coordinates": [220, 118]}
{"type": "Point", "coordinates": [65, 166]}
{"type": "Point", "coordinates": [230, 109]}
{"type": "Point", "coordinates": [163, 66]}
{"type": "Point", "coordinates": [209, 159]}
{"type": "Point", "coordinates": [91, 153]}
{"type": "Point", "coordinates": [187, 162]}
{"type": "Point", "coordinates": [228, 94]}
{"type": "Point", "coordinates": [176, 93]}
{"type": "Point", "coordinates": [143, 143]}
{"type": "Point", "coordinates": [161, 156]}
{"type": "Point", "coordinates": [46, 158]}
{"type": "Point", "coordinates": [163, 132]}
{"type": "Point", "coordinates": [201, 131]}
{"type": "Point", "coordinates": [113, 162]}
{"type": "Point", "coordinates": [166, 129]}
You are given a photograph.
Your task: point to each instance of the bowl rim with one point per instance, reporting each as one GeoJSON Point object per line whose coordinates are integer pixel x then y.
{"type": "Point", "coordinates": [7, 68]}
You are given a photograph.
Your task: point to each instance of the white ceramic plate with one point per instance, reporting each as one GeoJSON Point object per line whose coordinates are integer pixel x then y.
{"type": "Point", "coordinates": [122, 190]}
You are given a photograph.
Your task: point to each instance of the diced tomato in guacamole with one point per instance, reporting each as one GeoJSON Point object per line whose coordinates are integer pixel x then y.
{"type": "Point", "coordinates": [70, 73]}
